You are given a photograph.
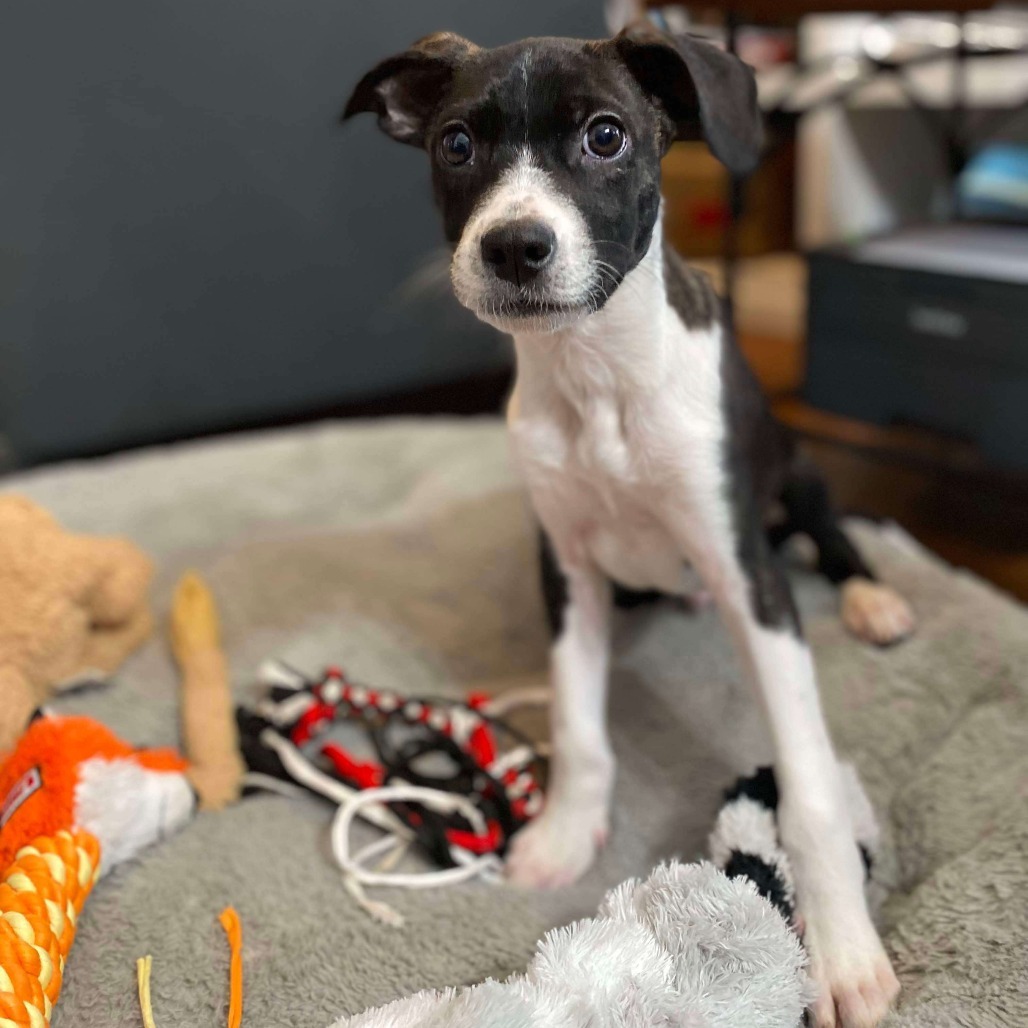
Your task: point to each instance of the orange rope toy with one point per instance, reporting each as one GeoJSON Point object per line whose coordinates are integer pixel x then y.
{"type": "Point", "coordinates": [41, 896]}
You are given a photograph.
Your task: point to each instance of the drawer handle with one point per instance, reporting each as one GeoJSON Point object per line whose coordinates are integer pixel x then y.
{"type": "Point", "coordinates": [937, 321]}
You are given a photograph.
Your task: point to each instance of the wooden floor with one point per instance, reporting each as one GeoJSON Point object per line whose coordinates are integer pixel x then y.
{"type": "Point", "coordinates": [937, 488]}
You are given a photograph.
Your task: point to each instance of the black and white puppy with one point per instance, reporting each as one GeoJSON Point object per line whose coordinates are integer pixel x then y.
{"type": "Point", "coordinates": [644, 440]}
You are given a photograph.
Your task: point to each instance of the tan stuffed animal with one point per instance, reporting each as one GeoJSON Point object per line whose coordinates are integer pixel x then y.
{"type": "Point", "coordinates": [70, 606]}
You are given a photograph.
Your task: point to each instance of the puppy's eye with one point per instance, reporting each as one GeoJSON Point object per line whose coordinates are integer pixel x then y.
{"type": "Point", "coordinates": [456, 146]}
{"type": "Point", "coordinates": [604, 139]}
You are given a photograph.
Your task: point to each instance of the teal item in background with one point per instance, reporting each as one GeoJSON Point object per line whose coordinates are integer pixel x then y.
{"type": "Point", "coordinates": [994, 186]}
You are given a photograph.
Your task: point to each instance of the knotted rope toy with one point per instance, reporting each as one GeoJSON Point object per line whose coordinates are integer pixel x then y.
{"type": "Point", "coordinates": [75, 801]}
{"type": "Point", "coordinates": [449, 776]}
{"type": "Point", "coordinates": [41, 895]}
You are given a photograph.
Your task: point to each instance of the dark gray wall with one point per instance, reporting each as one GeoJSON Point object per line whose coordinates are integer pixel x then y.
{"type": "Point", "coordinates": [188, 240]}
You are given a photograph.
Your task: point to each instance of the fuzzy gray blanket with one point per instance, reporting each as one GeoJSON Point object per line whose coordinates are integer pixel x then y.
{"type": "Point", "coordinates": [403, 551]}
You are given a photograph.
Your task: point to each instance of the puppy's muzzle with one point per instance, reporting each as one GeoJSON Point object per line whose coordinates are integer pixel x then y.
{"type": "Point", "coordinates": [517, 251]}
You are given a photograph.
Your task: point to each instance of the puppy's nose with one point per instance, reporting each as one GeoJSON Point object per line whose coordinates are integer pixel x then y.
{"type": "Point", "coordinates": [518, 250]}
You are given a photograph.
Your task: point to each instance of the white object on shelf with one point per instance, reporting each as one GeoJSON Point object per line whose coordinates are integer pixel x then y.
{"type": "Point", "coordinates": [872, 164]}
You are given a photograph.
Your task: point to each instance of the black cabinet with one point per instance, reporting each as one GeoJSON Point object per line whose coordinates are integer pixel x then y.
{"type": "Point", "coordinates": [928, 327]}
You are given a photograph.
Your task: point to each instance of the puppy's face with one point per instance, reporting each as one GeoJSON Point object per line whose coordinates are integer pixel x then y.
{"type": "Point", "coordinates": [546, 167]}
{"type": "Point", "coordinates": [546, 156]}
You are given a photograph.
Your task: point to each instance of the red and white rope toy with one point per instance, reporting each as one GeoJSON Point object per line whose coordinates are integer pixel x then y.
{"type": "Point", "coordinates": [450, 776]}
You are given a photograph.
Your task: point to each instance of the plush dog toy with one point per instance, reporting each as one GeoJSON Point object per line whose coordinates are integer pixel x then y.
{"type": "Point", "coordinates": [706, 945]}
{"type": "Point", "coordinates": [71, 606]}
{"type": "Point", "coordinates": [687, 948]}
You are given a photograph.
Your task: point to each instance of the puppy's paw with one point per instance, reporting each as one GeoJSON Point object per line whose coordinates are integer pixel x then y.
{"type": "Point", "coordinates": [875, 613]}
{"type": "Point", "coordinates": [557, 848]}
{"type": "Point", "coordinates": [855, 981]}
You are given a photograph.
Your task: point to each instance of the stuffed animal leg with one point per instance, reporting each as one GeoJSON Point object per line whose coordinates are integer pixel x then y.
{"type": "Point", "coordinates": [209, 730]}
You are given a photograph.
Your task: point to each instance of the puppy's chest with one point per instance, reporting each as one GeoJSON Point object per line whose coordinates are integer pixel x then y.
{"type": "Point", "coordinates": [613, 483]}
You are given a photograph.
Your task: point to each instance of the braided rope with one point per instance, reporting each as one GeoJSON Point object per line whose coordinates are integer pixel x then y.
{"type": "Point", "coordinates": [41, 896]}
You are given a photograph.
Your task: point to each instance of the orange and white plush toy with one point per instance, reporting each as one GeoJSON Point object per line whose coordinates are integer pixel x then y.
{"type": "Point", "coordinates": [75, 801]}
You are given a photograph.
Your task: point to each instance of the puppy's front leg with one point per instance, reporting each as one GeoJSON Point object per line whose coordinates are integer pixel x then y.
{"type": "Point", "coordinates": [848, 963]}
{"type": "Point", "coordinates": [560, 844]}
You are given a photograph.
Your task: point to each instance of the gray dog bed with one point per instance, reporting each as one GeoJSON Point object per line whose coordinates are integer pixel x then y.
{"type": "Point", "coordinates": [403, 551]}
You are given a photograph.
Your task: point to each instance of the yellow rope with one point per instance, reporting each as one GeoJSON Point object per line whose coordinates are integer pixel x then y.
{"type": "Point", "coordinates": [144, 965]}
{"type": "Point", "coordinates": [229, 920]}
{"type": "Point", "coordinates": [41, 896]}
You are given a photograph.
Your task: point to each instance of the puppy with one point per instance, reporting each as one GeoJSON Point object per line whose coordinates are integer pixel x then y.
{"type": "Point", "coordinates": [643, 438]}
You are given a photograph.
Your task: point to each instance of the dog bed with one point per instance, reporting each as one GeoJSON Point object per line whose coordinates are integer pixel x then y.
{"type": "Point", "coordinates": [403, 550]}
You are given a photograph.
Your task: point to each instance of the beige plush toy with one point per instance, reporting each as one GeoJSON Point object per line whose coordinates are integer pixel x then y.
{"type": "Point", "coordinates": [71, 606]}
{"type": "Point", "coordinates": [209, 732]}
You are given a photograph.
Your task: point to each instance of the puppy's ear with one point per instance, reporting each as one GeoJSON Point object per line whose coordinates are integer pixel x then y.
{"type": "Point", "coordinates": [404, 90]}
{"type": "Point", "coordinates": [703, 91]}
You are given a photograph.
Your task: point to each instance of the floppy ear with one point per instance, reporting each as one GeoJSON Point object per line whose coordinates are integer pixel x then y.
{"type": "Point", "coordinates": [703, 90]}
{"type": "Point", "coordinates": [404, 90]}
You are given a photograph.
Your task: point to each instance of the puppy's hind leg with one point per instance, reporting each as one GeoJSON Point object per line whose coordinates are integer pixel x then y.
{"type": "Point", "coordinates": [872, 611]}
{"type": "Point", "coordinates": [561, 843]}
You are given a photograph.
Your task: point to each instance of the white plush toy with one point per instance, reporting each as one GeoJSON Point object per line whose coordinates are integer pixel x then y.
{"type": "Point", "coordinates": [692, 946]}
{"type": "Point", "coordinates": [687, 948]}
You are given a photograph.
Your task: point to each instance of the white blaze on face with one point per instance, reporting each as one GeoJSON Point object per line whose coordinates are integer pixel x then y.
{"type": "Point", "coordinates": [569, 281]}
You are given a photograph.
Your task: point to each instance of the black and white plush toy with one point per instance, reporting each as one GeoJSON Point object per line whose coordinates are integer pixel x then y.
{"type": "Point", "coordinates": [705, 945]}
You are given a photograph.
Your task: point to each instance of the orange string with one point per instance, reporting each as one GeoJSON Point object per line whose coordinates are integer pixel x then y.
{"type": "Point", "coordinates": [234, 930]}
